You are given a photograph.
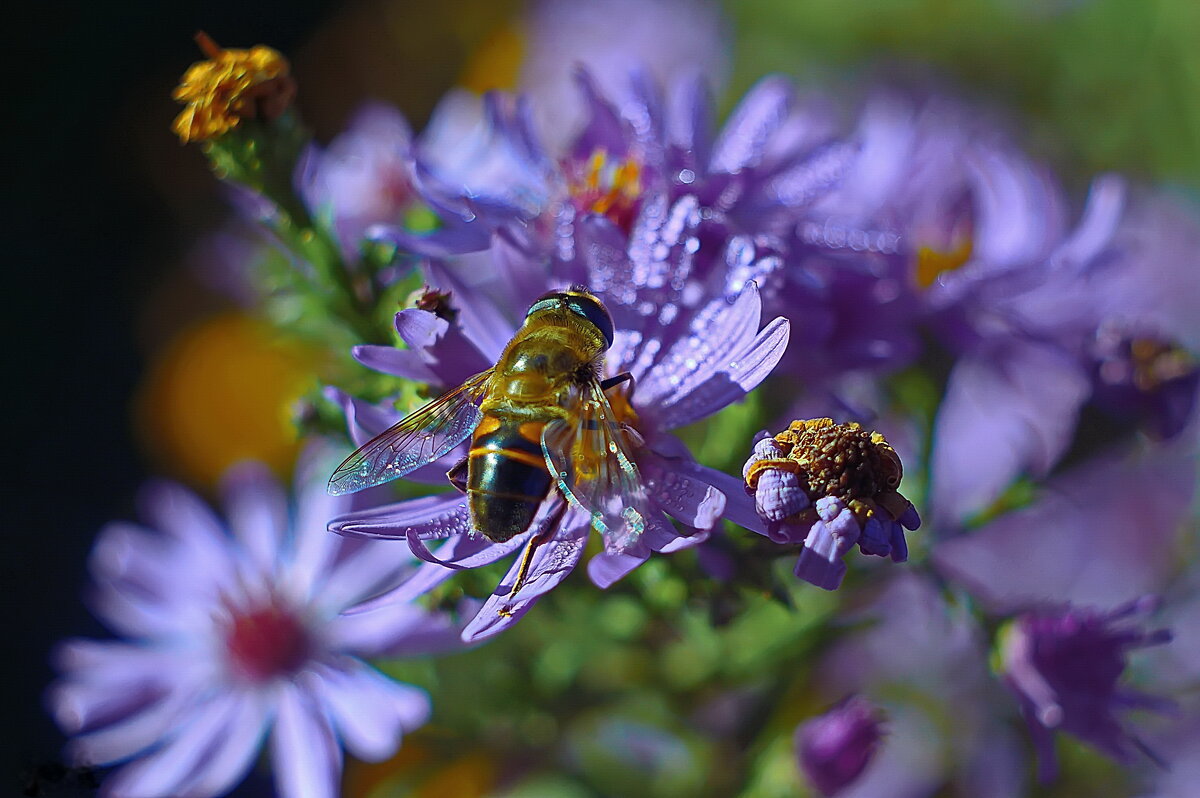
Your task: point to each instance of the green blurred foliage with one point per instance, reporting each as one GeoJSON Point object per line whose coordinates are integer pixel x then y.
{"type": "Point", "coordinates": [1103, 84]}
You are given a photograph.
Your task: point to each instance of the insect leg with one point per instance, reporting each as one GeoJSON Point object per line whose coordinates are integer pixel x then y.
{"type": "Point", "coordinates": [543, 536]}
{"type": "Point", "coordinates": [613, 382]}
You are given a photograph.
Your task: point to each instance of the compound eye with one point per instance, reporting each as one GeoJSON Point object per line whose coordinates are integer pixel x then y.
{"type": "Point", "coordinates": [594, 311]}
{"type": "Point", "coordinates": [548, 300]}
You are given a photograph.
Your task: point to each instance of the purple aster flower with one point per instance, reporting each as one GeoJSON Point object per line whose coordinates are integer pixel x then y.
{"type": "Point", "coordinates": [1064, 665]}
{"type": "Point", "coordinates": [689, 355]}
{"type": "Point", "coordinates": [364, 177]}
{"type": "Point", "coordinates": [236, 635]}
{"type": "Point", "coordinates": [640, 155]}
{"type": "Point", "coordinates": [830, 486]}
{"type": "Point", "coordinates": [929, 204]}
{"type": "Point", "coordinates": [835, 748]}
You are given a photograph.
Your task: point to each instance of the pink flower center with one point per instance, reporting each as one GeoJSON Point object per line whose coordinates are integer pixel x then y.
{"type": "Point", "coordinates": [266, 642]}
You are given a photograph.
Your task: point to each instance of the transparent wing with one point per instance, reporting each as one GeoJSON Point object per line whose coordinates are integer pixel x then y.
{"type": "Point", "coordinates": [588, 458]}
{"type": "Point", "coordinates": [416, 440]}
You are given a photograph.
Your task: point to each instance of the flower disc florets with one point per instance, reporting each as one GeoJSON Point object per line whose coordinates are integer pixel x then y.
{"type": "Point", "coordinates": [830, 486]}
{"type": "Point", "coordinates": [230, 85]}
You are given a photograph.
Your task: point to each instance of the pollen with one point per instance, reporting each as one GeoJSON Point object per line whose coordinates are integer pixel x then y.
{"type": "Point", "coordinates": [844, 461]}
{"type": "Point", "coordinates": [1156, 362]}
{"type": "Point", "coordinates": [608, 187]}
{"type": "Point", "coordinates": [933, 263]}
{"type": "Point", "coordinates": [230, 86]}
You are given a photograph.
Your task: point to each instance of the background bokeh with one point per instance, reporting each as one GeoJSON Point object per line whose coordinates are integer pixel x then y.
{"type": "Point", "coordinates": [105, 207]}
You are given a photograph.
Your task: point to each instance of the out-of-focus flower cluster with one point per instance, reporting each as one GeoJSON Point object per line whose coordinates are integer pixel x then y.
{"type": "Point", "coordinates": [908, 296]}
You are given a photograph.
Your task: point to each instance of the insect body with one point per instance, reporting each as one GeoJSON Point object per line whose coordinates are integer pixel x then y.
{"type": "Point", "coordinates": [542, 430]}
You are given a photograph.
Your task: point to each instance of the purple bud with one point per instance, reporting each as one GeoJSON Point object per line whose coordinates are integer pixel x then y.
{"type": "Point", "coordinates": [835, 748]}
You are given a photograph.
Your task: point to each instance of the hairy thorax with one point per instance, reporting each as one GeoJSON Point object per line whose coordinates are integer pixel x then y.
{"type": "Point", "coordinates": [539, 368]}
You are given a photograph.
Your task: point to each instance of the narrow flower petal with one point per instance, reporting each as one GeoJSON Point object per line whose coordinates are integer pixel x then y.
{"type": "Point", "coordinates": [308, 761]}
{"type": "Point", "coordinates": [257, 511]}
{"type": "Point", "coordinates": [135, 733]}
{"type": "Point", "coordinates": [369, 711]}
{"type": "Point", "coordinates": [744, 137]}
{"type": "Point", "coordinates": [607, 568]}
{"type": "Point", "coordinates": [688, 499]}
{"type": "Point", "coordinates": [718, 334]}
{"type": "Point", "coordinates": [405, 363]}
{"type": "Point", "coordinates": [171, 769]}
{"type": "Point", "coordinates": [233, 751]}
{"type": "Point", "coordinates": [732, 381]}
{"type": "Point", "coordinates": [465, 558]}
{"type": "Point", "coordinates": [739, 507]}
{"type": "Point", "coordinates": [551, 564]}
{"type": "Point", "coordinates": [462, 550]}
{"type": "Point", "coordinates": [1005, 411]}
{"type": "Point", "coordinates": [1105, 204]}
{"type": "Point", "coordinates": [375, 630]}
{"type": "Point", "coordinates": [428, 518]}
{"type": "Point", "coordinates": [365, 572]}
{"type": "Point", "coordinates": [180, 514]}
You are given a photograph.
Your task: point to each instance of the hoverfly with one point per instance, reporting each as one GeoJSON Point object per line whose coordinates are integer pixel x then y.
{"type": "Point", "coordinates": [543, 431]}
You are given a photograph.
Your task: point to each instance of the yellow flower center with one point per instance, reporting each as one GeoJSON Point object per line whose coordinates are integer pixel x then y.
{"type": "Point", "coordinates": [1156, 362]}
{"type": "Point", "coordinates": [932, 263]}
{"type": "Point", "coordinates": [231, 85]}
{"type": "Point", "coordinates": [608, 187]}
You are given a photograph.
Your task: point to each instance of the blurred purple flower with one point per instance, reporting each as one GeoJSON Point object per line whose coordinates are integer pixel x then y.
{"type": "Point", "coordinates": [835, 748]}
{"type": "Point", "coordinates": [1064, 665]}
{"type": "Point", "coordinates": [1145, 378]}
{"type": "Point", "coordinates": [830, 486]}
{"type": "Point", "coordinates": [1010, 407]}
{"type": "Point", "coordinates": [364, 177]}
{"type": "Point", "coordinates": [1122, 340]}
{"type": "Point", "coordinates": [687, 363]}
{"type": "Point", "coordinates": [1099, 535]}
{"type": "Point", "coordinates": [369, 176]}
{"type": "Point", "coordinates": [236, 635]}
{"type": "Point", "coordinates": [928, 657]}
{"type": "Point", "coordinates": [931, 207]}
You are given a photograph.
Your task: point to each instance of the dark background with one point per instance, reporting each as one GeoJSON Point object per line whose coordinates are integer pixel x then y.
{"type": "Point", "coordinates": [92, 237]}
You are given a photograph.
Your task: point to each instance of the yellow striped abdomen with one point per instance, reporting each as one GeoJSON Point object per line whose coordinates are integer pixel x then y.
{"type": "Point", "coordinates": [507, 478]}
